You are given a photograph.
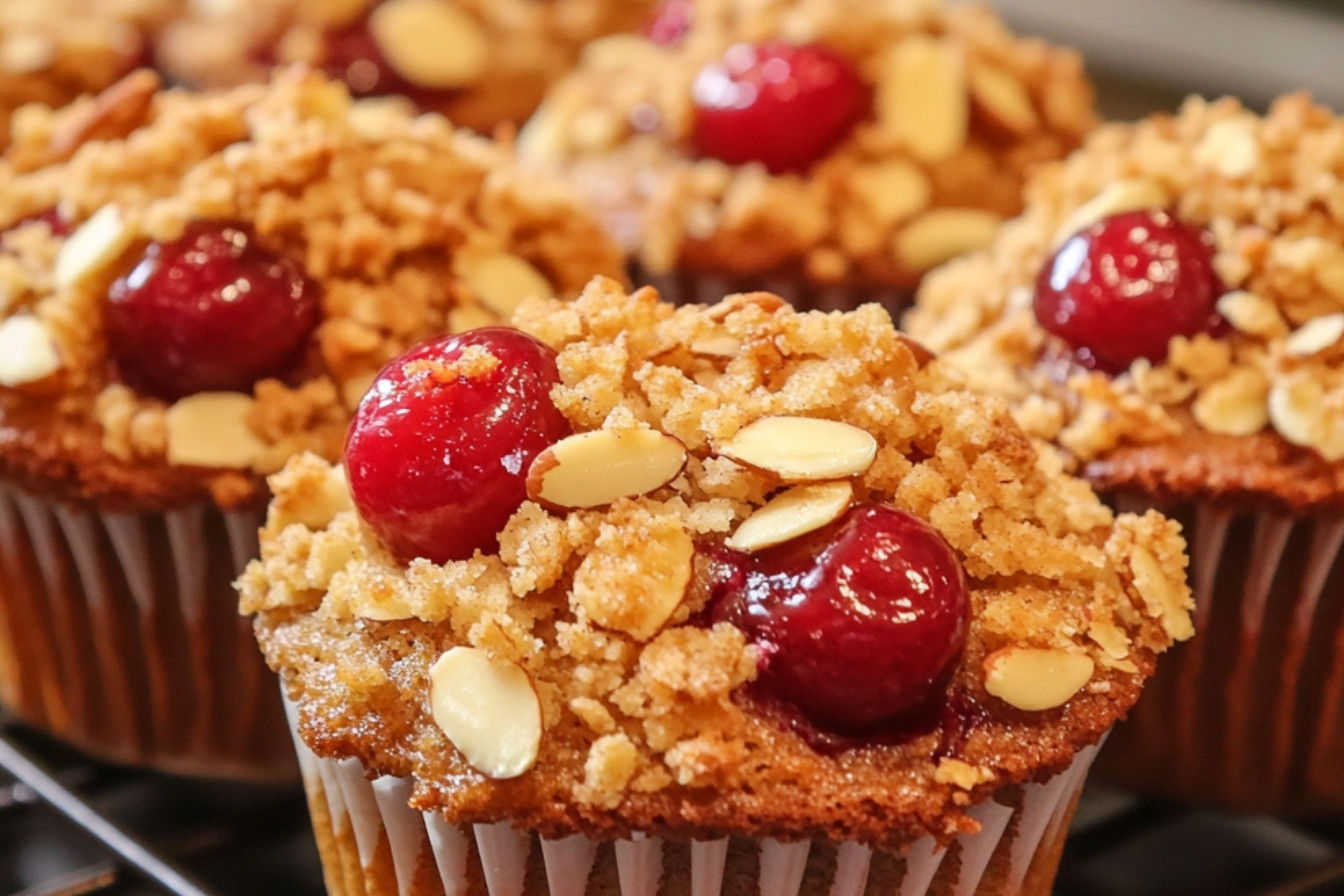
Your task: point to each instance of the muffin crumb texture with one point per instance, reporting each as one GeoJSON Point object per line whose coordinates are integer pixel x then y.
{"type": "Point", "coordinates": [648, 719]}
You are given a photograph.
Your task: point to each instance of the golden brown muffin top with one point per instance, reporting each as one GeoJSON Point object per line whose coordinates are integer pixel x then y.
{"type": "Point", "coordinates": [646, 723]}
{"type": "Point", "coordinates": [407, 227]}
{"type": "Point", "coordinates": [1253, 411]}
{"type": "Point", "coordinates": [959, 110]}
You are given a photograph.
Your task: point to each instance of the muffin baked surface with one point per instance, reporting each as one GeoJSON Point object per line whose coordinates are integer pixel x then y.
{"type": "Point", "coordinates": [652, 718]}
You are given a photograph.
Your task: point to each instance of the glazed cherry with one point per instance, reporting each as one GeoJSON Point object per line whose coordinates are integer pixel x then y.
{"type": "Point", "coordinates": [438, 452]}
{"type": "Point", "coordinates": [778, 104]}
{"type": "Point", "coordinates": [860, 623]}
{"type": "Point", "coordinates": [351, 54]}
{"type": "Point", "coordinates": [211, 310]}
{"type": "Point", "coordinates": [1121, 288]}
{"type": "Point", "coordinates": [669, 21]}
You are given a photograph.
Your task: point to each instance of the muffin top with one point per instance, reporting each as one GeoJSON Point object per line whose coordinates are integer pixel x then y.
{"type": "Point", "coordinates": [1195, 263]}
{"type": "Point", "coordinates": [850, 142]}
{"type": "Point", "coordinates": [480, 62]}
{"type": "Point", "coordinates": [197, 286]}
{"type": "Point", "coordinates": [769, 575]}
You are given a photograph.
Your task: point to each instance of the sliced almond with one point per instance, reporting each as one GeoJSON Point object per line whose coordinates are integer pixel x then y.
{"type": "Point", "coordinates": [1235, 405]}
{"type": "Point", "coordinates": [1130, 195]}
{"type": "Point", "coordinates": [430, 43]}
{"type": "Point", "coordinates": [488, 708]}
{"type": "Point", "coordinates": [1297, 410]}
{"type": "Point", "coordinates": [22, 52]}
{"type": "Point", "coordinates": [502, 281]}
{"type": "Point", "coordinates": [1035, 679]}
{"type": "Point", "coordinates": [27, 351]}
{"type": "Point", "coordinates": [892, 191]}
{"type": "Point", "coordinates": [766, 301]}
{"type": "Point", "coordinates": [1003, 99]}
{"type": "Point", "coordinates": [592, 469]}
{"type": "Point", "coordinates": [97, 243]}
{"type": "Point", "coordinates": [944, 233]}
{"type": "Point", "coordinates": [1161, 598]}
{"type": "Point", "coordinates": [1316, 335]}
{"type": "Point", "coordinates": [921, 97]}
{"type": "Point", "coordinates": [209, 429]}
{"type": "Point", "coordinates": [717, 345]}
{"type": "Point", "coordinates": [1251, 313]}
{"type": "Point", "coordinates": [796, 512]}
{"type": "Point", "coordinates": [113, 114]}
{"type": "Point", "coordinates": [802, 449]}
{"type": "Point", "coordinates": [462, 318]}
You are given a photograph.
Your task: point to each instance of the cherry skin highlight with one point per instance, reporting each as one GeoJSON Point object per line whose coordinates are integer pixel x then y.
{"type": "Point", "coordinates": [860, 623]}
{"type": "Point", "coordinates": [669, 21]}
{"type": "Point", "coordinates": [438, 452]}
{"type": "Point", "coordinates": [778, 104]}
{"type": "Point", "coordinates": [211, 310]}
{"type": "Point", "coordinates": [1122, 288]}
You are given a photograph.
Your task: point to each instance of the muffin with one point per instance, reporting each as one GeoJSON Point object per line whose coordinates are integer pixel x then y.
{"type": "Point", "coordinates": [756, 598]}
{"type": "Point", "coordinates": [197, 287]}
{"type": "Point", "coordinates": [1169, 310]}
{"type": "Point", "coordinates": [831, 150]}
{"type": "Point", "coordinates": [480, 62]}
{"type": "Point", "coordinates": [53, 52]}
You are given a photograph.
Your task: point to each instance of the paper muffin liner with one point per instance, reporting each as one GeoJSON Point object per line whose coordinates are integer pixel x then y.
{"type": "Point", "coordinates": [1249, 714]}
{"type": "Point", "coordinates": [120, 633]}
{"type": "Point", "coordinates": [372, 842]}
{"type": "Point", "coordinates": [685, 288]}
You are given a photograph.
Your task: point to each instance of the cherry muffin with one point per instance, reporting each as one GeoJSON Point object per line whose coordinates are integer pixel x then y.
{"type": "Point", "coordinates": [480, 62]}
{"type": "Point", "coordinates": [197, 287]}
{"type": "Point", "coordinates": [54, 51]}
{"type": "Point", "coordinates": [1170, 311]}
{"type": "Point", "coordinates": [831, 150]}
{"type": "Point", "coordinates": [734, 597]}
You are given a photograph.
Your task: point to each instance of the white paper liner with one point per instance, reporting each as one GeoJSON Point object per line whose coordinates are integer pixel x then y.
{"type": "Point", "coordinates": [359, 817]}
{"type": "Point", "coordinates": [119, 633]}
{"type": "Point", "coordinates": [1247, 713]}
{"type": "Point", "coordinates": [686, 289]}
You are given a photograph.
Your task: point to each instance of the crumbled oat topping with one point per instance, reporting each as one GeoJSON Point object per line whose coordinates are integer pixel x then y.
{"type": "Point", "coordinates": [1267, 190]}
{"type": "Point", "coordinates": [635, 708]}
{"type": "Point", "coordinates": [867, 213]}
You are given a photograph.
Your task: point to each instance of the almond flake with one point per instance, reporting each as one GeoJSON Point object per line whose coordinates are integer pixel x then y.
{"type": "Point", "coordinates": [717, 345]}
{"type": "Point", "coordinates": [96, 244]}
{"type": "Point", "coordinates": [27, 351]}
{"type": "Point", "coordinates": [489, 710]}
{"type": "Point", "coordinates": [1315, 335]}
{"type": "Point", "coordinates": [1035, 679]}
{"type": "Point", "coordinates": [1297, 410]}
{"type": "Point", "coordinates": [1162, 600]}
{"type": "Point", "coordinates": [592, 469]}
{"type": "Point", "coordinates": [1252, 314]}
{"type": "Point", "coordinates": [892, 191]}
{"type": "Point", "coordinates": [209, 429]}
{"type": "Point", "coordinates": [921, 97]}
{"type": "Point", "coordinates": [430, 43]}
{"type": "Point", "coordinates": [944, 233]}
{"type": "Point", "coordinates": [502, 281]}
{"type": "Point", "coordinates": [1235, 405]}
{"type": "Point", "coordinates": [796, 512]}
{"type": "Point", "coordinates": [802, 449]}
{"type": "Point", "coordinates": [1003, 99]}
{"type": "Point", "coordinates": [1131, 195]}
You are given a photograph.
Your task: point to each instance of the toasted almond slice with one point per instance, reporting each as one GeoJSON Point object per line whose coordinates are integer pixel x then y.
{"type": "Point", "coordinates": [944, 233]}
{"type": "Point", "coordinates": [1315, 335]}
{"type": "Point", "coordinates": [802, 449]}
{"type": "Point", "coordinates": [591, 469]}
{"type": "Point", "coordinates": [1003, 99]}
{"type": "Point", "coordinates": [502, 281]}
{"type": "Point", "coordinates": [922, 97]}
{"type": "Point", "coordinates": [27, 351]}
{"type": "Point", "coordinates": [97, 243]}
{"type": "Point", "coordinates": [430, 43]}
{"type": "Point", "coordinates": [1251, 313]}
{"type": "Point", "coordinates": [113, 114]}
{"type": "Point", "coordinates": [717, 345]}
{"type": "Point", "coordinates": [1130, 195]}
{"type": "Point", "coordinates": [1035, 679]}
{"type": "Point", "coordinates": [766, 301]}
{"type": "Point", "coordinates": [209, 429]}
{"type": "Point", "coordinates": [796, 512]}
{"type": "Point", "coordinates": [892, 191]}
{"type": "Point", "coordinates": [488, 708]}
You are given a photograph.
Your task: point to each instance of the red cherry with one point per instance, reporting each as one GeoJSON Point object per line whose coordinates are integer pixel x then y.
{"type": "Point", "coordinates": [669, 22]}
{"type": "Point", "coordinates": [860, 622]}
{"type": "Point", "coordinates": [778, 104]}
{"type": "Point", "coordinates": [1121, 288]}
{"type": "Point", "coordinates": [211, 310]}
{"type": "Point", "coordinates": [352, 55]}
{"type": "Point", "coordinates": [437, 458]}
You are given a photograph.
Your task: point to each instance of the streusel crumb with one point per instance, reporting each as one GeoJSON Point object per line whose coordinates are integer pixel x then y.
{"type": "Point", "coordinates": [646, 726]}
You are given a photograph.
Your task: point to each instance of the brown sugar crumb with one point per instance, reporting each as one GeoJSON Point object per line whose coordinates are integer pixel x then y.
{"type": "Point", "coordinates": [647, 725]}
{"type": "Point", "coordinates": [1269, 385]}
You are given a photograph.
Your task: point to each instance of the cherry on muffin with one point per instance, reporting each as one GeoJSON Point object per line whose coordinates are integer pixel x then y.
{"type": "Point", "coordinates": [779, 104]}
{"type": "Point", "coordinates": [439, 450]}
{"type": "Point", "coordinates": [212, 310]}
{"type": "Point", "coordinates": [1121, 288]}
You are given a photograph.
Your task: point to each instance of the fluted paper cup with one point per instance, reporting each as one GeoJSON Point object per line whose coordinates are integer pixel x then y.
{"type": "Point", "coordinates": [120, 634]}
{"type": "Point", "coordinates": [372, 842]}
{"type": "Point", "coordinates": [1249, 714]}
{"type": "Point", "coordinates": [685, 288]}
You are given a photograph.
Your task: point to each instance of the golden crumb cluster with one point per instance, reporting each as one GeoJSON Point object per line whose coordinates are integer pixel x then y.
{"type": "Point", "coordinates": [407, 227]}
{"type": "Point", "coordinates": [960, 109]}
{"type": "Point", "coordinates": [1269, 389]}
{"type": "Point", "coordinates": [644, 722]}
{"type": "Point", "coordinates": [480, 62]}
